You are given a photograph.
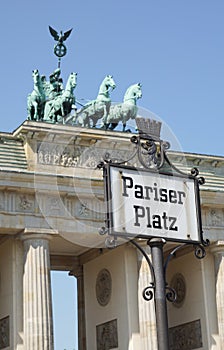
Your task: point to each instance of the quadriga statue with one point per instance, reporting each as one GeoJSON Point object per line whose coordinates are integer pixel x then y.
{"type": "Point", "coordinates": [126, 110]}
{"type": "Point", "coordinates": [98, 108]}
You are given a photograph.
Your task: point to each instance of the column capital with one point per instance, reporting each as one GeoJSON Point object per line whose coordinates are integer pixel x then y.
{"type": "Point", "coordinates": [37, 233]}
{"type": "Point", "coordinates": [217, 247]}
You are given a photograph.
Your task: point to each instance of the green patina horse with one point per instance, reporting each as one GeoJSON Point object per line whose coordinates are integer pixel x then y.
{"type": "Point", "coordinates": [36, 99]}
{"type": "Point", "coordinates": [98, 108]}
{"type": "Point", "coordinates": [57, 108]}
{"type": "Point", "coordinates": [126, 110]}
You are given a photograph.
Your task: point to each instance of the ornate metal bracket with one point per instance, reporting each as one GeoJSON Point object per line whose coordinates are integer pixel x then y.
{"type": "Point", "coordinates": [171, 295]}
{"type": "Point", "coordinates": [151, 153]}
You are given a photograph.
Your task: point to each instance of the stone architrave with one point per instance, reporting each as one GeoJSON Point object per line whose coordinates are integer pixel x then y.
{"type": "Point", "coordinates": [147, 318]}
{"type": "Point", "coordinates": [38, 323]}
{"type": "Point", "coordinates": [218, 250]}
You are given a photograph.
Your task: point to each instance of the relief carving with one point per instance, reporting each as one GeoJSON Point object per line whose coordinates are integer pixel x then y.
{"type": "Point", "coordinates": [55, 206]}
{"type": "Point", "coordinates": [187, 336]}
{"type": "Point", "coordinates": [103, 287]}
{"type": "Point", "coordinates": [216, 217]}
{"type": "Point", "coordinates": [83, 210]}
{"type": "Point", "coordinates": [107, 335]}
{"type": "Point", "coordinates": [4, 332]}
{"type": "Point", "coordinates": [43, 204]}
{"type": "Point", "coordinates": [25, 203]}
{"type": "Point", "coordinates": [89, 209]}
{"type": "Point", "coordinates": [179, 285]}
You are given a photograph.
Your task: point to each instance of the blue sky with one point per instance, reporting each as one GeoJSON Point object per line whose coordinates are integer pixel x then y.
{"type": "Point", "coordinates": [174, 48]}
{"type": "Point", "coordinates": [64, 311]}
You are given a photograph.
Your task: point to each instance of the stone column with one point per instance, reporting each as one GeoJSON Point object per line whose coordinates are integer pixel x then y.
{"type": "Point", "coordinates": [147, 318]}
{"type": "Point", "coordinates": [38, 324]}
{"type": "Point", "coordinates": [78, 273]}
{"type": "Point", "coordinates": [218, 250]}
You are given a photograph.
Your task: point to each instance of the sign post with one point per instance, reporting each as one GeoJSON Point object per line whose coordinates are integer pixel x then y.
{"type": "Point", "coordinates": [160, 294]}
{"type": "Point", "coordinates": [156, 202]}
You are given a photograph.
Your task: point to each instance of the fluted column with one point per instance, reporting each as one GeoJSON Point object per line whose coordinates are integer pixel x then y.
{"type": "Point", "coordinates": [218, 250]}
{"type": "Point", "coordinates": [147, 318]}
{"type": "Point", "coordinates": [38, 325]}
{"type": "Point", "coordinates": [78, 273]}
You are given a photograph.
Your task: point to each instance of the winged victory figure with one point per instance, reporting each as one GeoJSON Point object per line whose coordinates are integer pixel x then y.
{"type": "Point", "coordinates": [60, 38]}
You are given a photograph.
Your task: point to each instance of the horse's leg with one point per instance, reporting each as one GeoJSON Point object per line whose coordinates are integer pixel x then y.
{"type": "Point", "coordinates": [113, 126]}
{"type": "Point", "coordinates": [46, 110]}
{"type": "Point", "coordinates": [30, 111]}
{"type": "Point", "coordinates": [84, 116]}
{"type": "Point", "coordinates": [63, 113]}
{"type": "Point", "coordinates": [79, 119]}
{"type": "Point", "coordinates": [94, 120]}
{"type": "Point", "coordinates": [35, 106]}
{"type": "Point", "coordinates": [49, 112]}
{"type": "Point", "coordinates": [86, 120]}
{"type": "Point", "coordinates": [67, 108]}
{"type": "Point", "coordinates": [41, 117]}
{"type": "Point", "coordinates": [73, 118]}
{"type": "Point", "coordinates": [29, 107]}
{"type": "Point", "coordinates": [104, 126]}
{"type": "Point", "coordinates": [105, 115]}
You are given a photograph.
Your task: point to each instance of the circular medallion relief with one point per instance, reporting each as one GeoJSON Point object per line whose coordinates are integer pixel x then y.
{"type": "Point", "coordinates": [103, 287]}
{"type": "Point", "coordinates": [179, 285]}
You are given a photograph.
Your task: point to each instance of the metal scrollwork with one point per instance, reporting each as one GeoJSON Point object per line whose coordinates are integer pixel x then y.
{"type": "Point", "coordinates": [147, 292]}
{"type": "Point", "coordinates": [205, 243]}
{"type": "Point", "coordinates": [199, 251]}
{"type": "Point", "coordinates": [201, 180]}
{"type": "Point", "coordinates": [171, 295]}
{"type": "Point", "coordinates": [194, 172]}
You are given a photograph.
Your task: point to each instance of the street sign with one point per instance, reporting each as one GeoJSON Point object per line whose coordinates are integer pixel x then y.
{"type": "Point", "coordinates": [152, 204]}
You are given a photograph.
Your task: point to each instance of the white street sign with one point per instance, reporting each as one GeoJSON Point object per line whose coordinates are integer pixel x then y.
{"type": "Point", "coordinates": [149, 204]}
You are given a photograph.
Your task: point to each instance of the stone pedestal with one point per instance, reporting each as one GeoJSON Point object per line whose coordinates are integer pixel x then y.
{"type": "Point", "coordinates": [218, 250]}
{"type": "Point", "coordinates": [147, 318]}
{"type": "Point", "coordinates": [38, 325]}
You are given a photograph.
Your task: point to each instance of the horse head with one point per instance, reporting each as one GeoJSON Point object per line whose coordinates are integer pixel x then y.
{"type": "Point", "coordinates": [134, 92]}
{"type": "Point", "coordinates": [73, 79]}
{"type": "Point", "coordinates": [109, 82]}
{"type": "Point", "coordinates": [70, 85]}
{"type": "Point", "coordinates": [35, 75]}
